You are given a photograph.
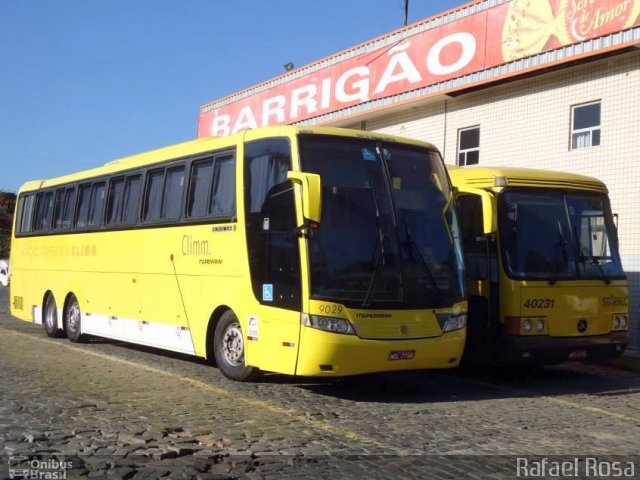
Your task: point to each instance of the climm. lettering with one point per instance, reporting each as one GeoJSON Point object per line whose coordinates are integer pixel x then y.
{"type": "Point", "coordinates": [190, 246]}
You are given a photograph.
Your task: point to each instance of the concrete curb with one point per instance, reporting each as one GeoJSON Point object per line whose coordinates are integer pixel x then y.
{"type": "Point", "coordinates": [630, 360]}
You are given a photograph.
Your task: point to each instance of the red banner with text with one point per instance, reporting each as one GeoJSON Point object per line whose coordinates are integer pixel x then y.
{"type": "Point", "coordinates": [498, 35]}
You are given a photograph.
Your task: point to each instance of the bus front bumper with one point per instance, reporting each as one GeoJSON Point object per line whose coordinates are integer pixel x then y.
{"type": "Point", "coordinates": [543, 349]}
{"type": "Point", "coordinates": [333, 355]}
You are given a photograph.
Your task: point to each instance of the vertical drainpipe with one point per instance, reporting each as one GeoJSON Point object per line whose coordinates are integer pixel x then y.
{"type": "Point", "coordinates": [444, 133]}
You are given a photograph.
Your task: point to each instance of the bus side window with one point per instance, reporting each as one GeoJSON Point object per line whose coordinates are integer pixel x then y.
{"type": "Point", "coordinates": [82, 211]}
{"type": "Point", "coordinates": [25, 213]}
{"type": "Point", "coordinates": [173, 190]}
{"type": "Point", "coordinates": [274, 256]}
{"type": "Point", "coordinates": [114, 201]}
{"type": "Point", "coordinates": [132, 194]}
{"type": "Point", "coordinates": [212, 187]}
{"type": "Point", "coordinates": [153, 196]}
{"type": "Point", "coordinates": [223, 193]}
{"type": "Point", "coordinates": [199, 188]}
{"type": "Point", "coordinates": [96, 204]}
{"type": "Point", "coordinates": [68, 208]}
{"type": "Point", "coordinates": [58, 206]}
{"type": "Point", "coordinates": [44, 207]}
{"type": "Point", "coordinates": [475, 251]}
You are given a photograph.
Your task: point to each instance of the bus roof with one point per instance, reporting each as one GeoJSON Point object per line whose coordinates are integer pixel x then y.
{"type": "Point", "coordinates": [205, 144]}
{"type": "Point", "coordinates": [490, 177]}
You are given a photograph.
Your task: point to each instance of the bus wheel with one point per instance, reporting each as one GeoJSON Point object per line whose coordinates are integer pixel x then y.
{"type": "Point", "coordinates": [73, 321]}
{"type": "Point", "coordinates": [50, 317]}
{"type": "Point", "coordinates": [228, 349]}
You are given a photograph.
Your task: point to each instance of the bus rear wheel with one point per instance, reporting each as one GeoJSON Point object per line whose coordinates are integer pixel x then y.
{"type": "Point", "coordinates": [229, 349]}
{"type": "Point", "coordinates": [50, 317]}
{"type": "Point", "coordinates": [73, 321]}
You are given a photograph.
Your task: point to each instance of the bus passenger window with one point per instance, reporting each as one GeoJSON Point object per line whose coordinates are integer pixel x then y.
{"type": "Point", "coordinates": [173, 189]}
{"type": "Point", "coordinates": [83, 206]}
{"type": "Point", "coordinates": [199, 188]}
{"type": "Point", "coordinates": [58, 206]}
{"type": "Point", "coordinates": [212, 189]}
{"type": "Point", "coordinates": [68, 208]}
{"type": "Point", "coordinates": [132, 194]}
{"type": "Point", "coordinates": [96, 204]}
{"type": "Point", "coordinates": [153, 196]}
{"type": "Point", "coordinates": [25, 212]}
{"type": "Point", "coordinates": [114, 202]}
{"type": "Point", "coordinates": [44, 207]}
{"type": "Point", "coordinates": [223, 195]}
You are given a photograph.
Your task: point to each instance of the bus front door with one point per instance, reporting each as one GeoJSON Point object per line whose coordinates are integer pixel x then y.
{"type": "Point", "coordinates": [476, 216]}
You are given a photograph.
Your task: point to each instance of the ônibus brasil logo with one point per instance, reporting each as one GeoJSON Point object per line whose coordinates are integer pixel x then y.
{"type": "Point", "coordinates": [35, 468]}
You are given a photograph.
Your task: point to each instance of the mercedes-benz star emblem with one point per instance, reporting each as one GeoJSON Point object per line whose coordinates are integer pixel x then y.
{"type": "Point", "coordinates": [582, 325]}
{"type": "Point", "coordinates": [404, 329]}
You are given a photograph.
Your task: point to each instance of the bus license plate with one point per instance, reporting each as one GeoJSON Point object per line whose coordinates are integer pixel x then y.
{"type": "Point", "coordinates": [402, 355]}
{"type": "Point", "coordinates": [576, 354]}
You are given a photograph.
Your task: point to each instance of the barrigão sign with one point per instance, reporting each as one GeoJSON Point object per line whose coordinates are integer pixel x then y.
{"type": "Point", "coordinates": [475, 42]}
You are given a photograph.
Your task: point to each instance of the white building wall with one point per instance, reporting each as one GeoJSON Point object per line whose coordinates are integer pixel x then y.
{"type": "Point", "coordinates": [526, 123]}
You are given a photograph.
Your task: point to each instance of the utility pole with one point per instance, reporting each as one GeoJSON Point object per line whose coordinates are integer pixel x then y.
{"type": "Point", "coordinates": [406, 12]}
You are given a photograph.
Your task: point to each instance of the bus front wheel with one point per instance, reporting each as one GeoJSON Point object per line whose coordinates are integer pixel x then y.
{"type": "Point", "coordinates": [50, 317]}
{"type": "Point", "coordinates": [229, 349]}
{"type": "Point", "coordinates": [73, 321]}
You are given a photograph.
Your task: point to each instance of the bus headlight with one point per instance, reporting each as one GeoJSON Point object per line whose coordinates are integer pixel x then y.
{"type": "Point", "coordinates": [526, 326]}
{"type": "Point", "coordinates": [455, 322]}
{"type": "Point", "coordinates": [328, 324]}
{"type": "Point", "coordinates": [620, 322]}
{"type": "Point", "coordinates": [624, 322]}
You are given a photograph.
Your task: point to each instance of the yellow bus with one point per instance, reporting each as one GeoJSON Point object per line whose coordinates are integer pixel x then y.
{"type": "Point", "coordinates": [544, 276]}
{"type": "Point", "coordinates": [312, 252]}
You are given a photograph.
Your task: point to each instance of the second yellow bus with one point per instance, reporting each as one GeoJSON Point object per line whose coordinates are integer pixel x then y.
{"type": "Point", "coordinates": [544, 276]}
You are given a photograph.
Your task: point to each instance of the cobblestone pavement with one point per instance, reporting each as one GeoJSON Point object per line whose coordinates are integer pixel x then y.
{"type": "Point", "coordinates": [118, 411]}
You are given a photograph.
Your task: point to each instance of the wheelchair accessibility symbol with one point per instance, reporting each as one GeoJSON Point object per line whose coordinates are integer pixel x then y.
{"type": "Point", "coordinates": [267, 292]}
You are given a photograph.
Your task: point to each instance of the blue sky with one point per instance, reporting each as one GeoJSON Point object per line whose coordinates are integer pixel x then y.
{"type": "Point", "coordinates": [83, 82]}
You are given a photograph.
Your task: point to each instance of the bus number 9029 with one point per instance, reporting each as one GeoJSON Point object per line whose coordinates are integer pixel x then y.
{"type": "Point", "coordinates": [330, 309]}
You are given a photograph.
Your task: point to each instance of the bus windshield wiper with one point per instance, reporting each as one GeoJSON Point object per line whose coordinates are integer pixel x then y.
{"type": "Point", "coordinates": [413, 248]}
{"type": "Point", "coordinates": [378, 259]}
{"type": "Point", "coordinates": [595, 261]}
{"type": "Point", "coordinates": [565, 256]}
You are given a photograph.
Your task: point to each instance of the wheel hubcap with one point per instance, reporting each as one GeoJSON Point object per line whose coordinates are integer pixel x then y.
{"type": "Point", "coordinates": [74, 316]}
{"type": "Point", "coordinates": [51, 315]}
{"type": "Point", "coordinates": [233, 346]}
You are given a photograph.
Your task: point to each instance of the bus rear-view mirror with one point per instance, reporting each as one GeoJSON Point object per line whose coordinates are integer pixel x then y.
{"type": "Point", "coordinates": [311, 194]}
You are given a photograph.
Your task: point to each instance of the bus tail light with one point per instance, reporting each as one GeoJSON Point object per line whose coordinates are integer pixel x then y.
{"type": "Point", "coordinates": [328, 324]}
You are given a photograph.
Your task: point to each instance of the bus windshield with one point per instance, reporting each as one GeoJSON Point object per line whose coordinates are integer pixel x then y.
{"type": "Point", "coordinates": [552, 235]}
{"type": "Point", "coordinates": [389, 236]}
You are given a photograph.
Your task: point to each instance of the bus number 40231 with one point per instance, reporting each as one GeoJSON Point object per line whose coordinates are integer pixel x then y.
{"type": "Point", "coordinates": [539, 303]}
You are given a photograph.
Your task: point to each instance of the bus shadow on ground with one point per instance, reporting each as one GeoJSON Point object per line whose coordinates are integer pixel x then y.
{"type": "Point", "coordinates": [476, 385]}
{"type": "Point", "coordinates": [434, 386]}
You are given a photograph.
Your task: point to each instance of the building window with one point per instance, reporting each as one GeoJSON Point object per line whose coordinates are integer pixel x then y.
{"type": "Point", "coordinates": [585, 125]}
{"type": "Point", "coordinates": [468, 146]}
